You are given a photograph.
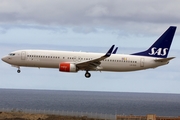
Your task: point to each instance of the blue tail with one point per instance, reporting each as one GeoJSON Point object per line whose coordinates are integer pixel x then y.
{"type": "Point", "coordinates": [162, 46]}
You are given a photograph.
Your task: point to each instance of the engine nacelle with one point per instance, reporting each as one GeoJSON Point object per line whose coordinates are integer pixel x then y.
{"type": "Point", "coordinates": [67, 67]}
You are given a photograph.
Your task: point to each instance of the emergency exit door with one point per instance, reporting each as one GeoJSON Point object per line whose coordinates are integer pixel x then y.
{"type": "Point", "coordinates": [23, 55]}
{"type": "Point", "coordinates": [142, 62]}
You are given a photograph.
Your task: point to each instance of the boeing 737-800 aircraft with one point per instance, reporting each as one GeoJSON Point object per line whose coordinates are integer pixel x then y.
{"type": "Point", "coordinates": [67, 61]}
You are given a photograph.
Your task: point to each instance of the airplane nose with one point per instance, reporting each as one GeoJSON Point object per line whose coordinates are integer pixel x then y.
{"type": "Point", "coordinates": [4, 59]}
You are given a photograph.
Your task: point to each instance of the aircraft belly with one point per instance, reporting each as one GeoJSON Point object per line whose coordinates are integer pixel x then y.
{"type": "Point", "coordinates": [119, 67]}
{"type": "Point", "coordinates": [44, 64]}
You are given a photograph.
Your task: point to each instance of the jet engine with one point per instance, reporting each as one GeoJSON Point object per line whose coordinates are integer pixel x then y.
{"type": "Point", "coordinates": [67, 67]}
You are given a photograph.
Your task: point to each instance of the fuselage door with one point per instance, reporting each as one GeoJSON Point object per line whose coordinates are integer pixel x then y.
{"type": "Point", "coordinates": [23, 55]}
{"type": "Point", "coordinates": [142, 62]}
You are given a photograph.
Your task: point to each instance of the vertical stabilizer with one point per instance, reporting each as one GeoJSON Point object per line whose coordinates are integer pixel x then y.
{"type": "Point", "coordinates": [162, 46]}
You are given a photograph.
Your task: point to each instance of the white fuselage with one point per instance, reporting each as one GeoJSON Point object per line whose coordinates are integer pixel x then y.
{"type": "Point", "coordinates": [52, 59]}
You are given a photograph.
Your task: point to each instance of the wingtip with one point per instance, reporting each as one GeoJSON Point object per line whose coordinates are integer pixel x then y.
{"type": "Point", "coordinates": [109, 51]}
{"type": "Point", "coordinates": [114, 52]}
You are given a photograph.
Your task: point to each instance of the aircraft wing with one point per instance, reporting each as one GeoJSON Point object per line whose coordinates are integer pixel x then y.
{"type": "Point", "coordinates": [164, 59]}
{"type": "Point", "coordinates": [94, 64]}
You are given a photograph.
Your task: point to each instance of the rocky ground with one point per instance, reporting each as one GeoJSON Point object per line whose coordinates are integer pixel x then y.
{"type": "Point", "coordinates": [18, 115]}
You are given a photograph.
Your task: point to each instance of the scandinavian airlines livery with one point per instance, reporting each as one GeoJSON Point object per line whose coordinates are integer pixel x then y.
{"type": "Point", "coordinates": [67, 61]}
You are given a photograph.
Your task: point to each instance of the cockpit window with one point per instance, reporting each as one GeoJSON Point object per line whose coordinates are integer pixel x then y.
{"type": "Point", "coordinates": [12, 54]}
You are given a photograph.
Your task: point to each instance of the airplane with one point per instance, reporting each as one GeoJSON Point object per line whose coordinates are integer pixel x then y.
{"type": "Point", "coordinates": [67, 61]}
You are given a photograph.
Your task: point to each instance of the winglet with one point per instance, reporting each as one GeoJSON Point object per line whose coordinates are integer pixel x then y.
{"type": "Point", "coordinates": [114, 52]}
{"type": "Point", "coordinates": [108, 54]}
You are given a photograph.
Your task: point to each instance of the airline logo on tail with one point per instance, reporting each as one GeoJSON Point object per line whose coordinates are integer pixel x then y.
{"type": "Point", "coordinates": [159, 52]}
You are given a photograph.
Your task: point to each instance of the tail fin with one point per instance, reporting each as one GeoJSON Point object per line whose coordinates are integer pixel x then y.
{"type": "Point", "coordinates": [162, 46]}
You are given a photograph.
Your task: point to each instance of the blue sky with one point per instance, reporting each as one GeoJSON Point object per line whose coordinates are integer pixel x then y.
{"type": "Point", "coordinates": [89, 26]}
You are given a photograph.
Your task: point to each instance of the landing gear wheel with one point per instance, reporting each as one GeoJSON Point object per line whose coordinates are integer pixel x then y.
{"type": "Point", "coordinates": [87, 75]}
{"type": "Point", "coordinates": [18, 71]}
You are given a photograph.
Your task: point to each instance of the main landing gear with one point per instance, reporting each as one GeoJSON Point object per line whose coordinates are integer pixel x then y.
{"type": "Point", "coordinates": [87, 74]}
{"type": "Point", "coordinates": [18, 71]}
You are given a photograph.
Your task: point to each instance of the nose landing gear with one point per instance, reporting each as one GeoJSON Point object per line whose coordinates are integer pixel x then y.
{"type": "Point", "coordinates": [87, 74]}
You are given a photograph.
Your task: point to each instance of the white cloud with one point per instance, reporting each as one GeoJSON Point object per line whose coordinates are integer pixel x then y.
{"type": "Point", "coordinates": [127, 15]}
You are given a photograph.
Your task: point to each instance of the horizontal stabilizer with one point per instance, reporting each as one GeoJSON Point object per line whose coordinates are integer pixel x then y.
{"type": "Point", "coordinates": [164, 59]}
